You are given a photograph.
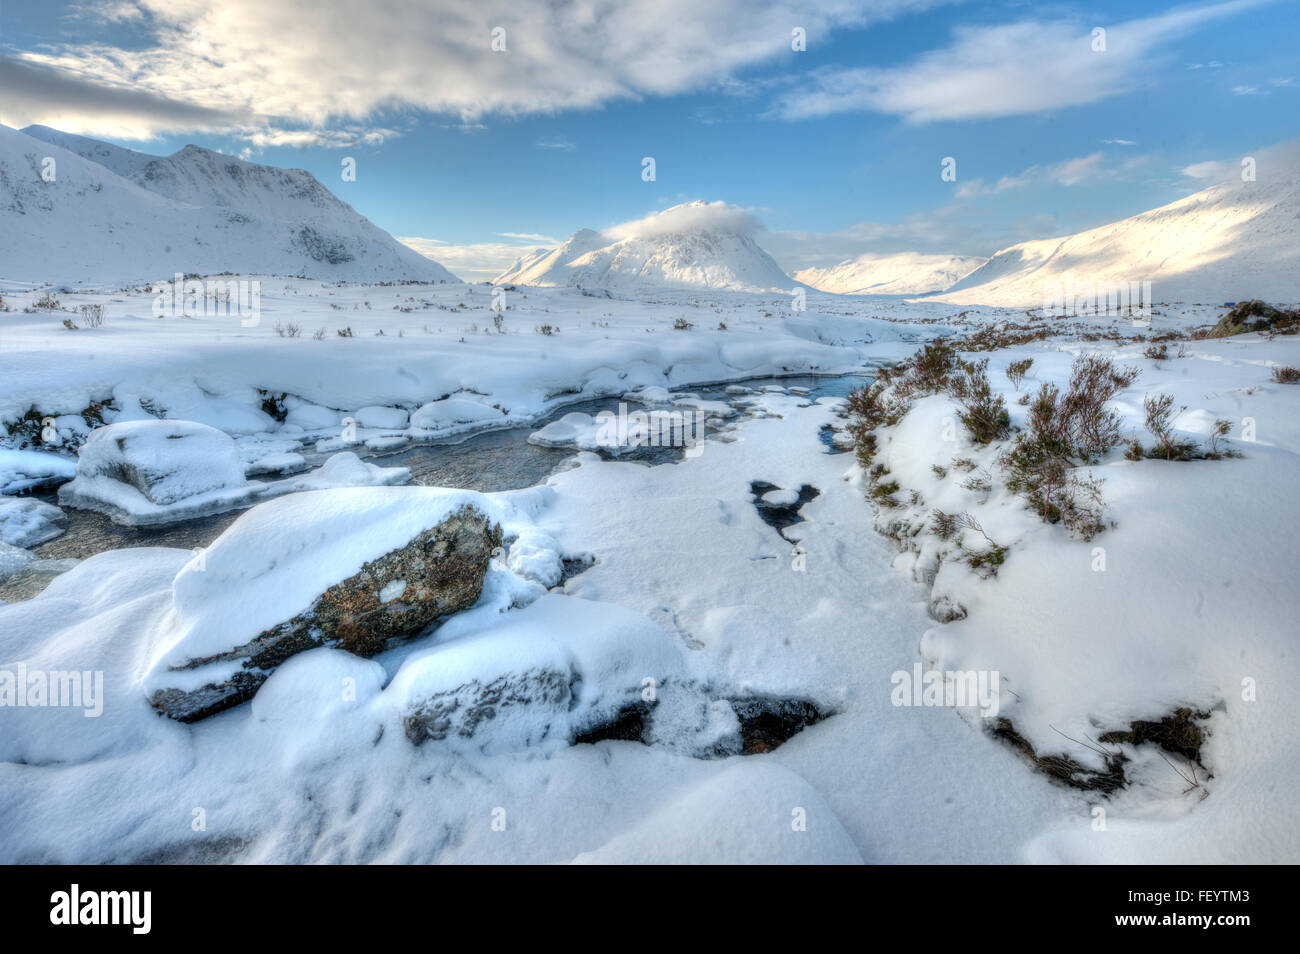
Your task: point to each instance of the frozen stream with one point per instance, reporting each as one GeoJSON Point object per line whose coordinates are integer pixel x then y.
{"type": "Point", "coordinates": [488, 462]}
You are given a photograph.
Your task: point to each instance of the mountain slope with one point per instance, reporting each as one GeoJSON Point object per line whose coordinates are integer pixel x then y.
{"type": "Point", "coordinates": [1233, 241]}
{"type": "Point", "coordinates": [114, 158]}
{"type": "Point", "coordinates": [546, 266]}
{"type": "Point", "coordinates": [696, 257]}
{"type": "Point", "coordinates": [904, 273]}
{"type": "Point", "coordinates": [195, 211]}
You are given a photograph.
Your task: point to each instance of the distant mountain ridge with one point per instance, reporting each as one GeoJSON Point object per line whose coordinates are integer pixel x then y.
{"type": "Point", "coordinates": [1233, 241]}
{"type": "Point", "coordinates": [112, 214]}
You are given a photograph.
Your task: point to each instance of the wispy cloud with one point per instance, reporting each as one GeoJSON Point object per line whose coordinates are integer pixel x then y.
{"type": "Point", "coordinates": [531, 237]}
{"type": "Point", "coordinates": [1070, 172]}
{"type": "Point", "coordinates": [1014, 69]}
{"type": "Point", "coordinates": [558, 143]}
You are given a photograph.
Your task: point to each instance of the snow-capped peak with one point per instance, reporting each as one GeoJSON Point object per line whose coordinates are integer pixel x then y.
{"type": "Point", "coordinates": [692, 245]}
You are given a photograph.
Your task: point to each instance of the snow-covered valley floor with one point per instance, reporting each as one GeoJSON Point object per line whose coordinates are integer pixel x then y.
{"type": "Point", "coordinates": [618, 572]}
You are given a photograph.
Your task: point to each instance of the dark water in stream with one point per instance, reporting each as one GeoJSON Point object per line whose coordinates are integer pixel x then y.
{"type": "Point", "coordinates": [493, 461]}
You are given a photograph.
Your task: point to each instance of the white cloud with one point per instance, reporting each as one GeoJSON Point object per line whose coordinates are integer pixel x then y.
{"type": "Point", "coordinates": [1071, 172]}
{"type": "Point", "coordinates": [720, 216]}
{"type": "Point", "coordinates": [1008, 70]}
{"type": "Point", "coordinates": [1207, 170]}
{"type": "Point", "coordinates": [531, 237]}
{"type": "Point", "coordinates": [1119, 142]}
{"type": "Point", "coordinates": [313, 64]}
{"type": "Point", "coordinates": [1074, 171]}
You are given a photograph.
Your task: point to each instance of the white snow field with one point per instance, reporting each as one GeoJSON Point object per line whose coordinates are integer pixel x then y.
{"type": "Point", "coordinates": [688, 587]}
{"type": "Point", "coordinates": [654, 672]}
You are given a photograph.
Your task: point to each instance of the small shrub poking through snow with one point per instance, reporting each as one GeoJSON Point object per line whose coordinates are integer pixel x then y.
{"type": "Point", "coordinates": [983, 413]}
{"type": "Point", "coordinates": [1286, 375]}
{"type": "Point", "coordinates": [1017, 370]}
{"type": "Point", "coordinates": [1066, 431]}
{"type": "Point", "coordinates": [1160, 417]}
{"type": "Point", "coordinates": [951, 526]}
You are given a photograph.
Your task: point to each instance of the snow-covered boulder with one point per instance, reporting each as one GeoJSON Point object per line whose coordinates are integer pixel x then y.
{"type": "Point", "coordinates": [344, 469]}
{"type": "Point", "coordinates": [455, 416]}
{"type": "Point", "coordinates": [651, 394]}
{"type": "Point", "coordinates": [383, 418]}
{"type": "Point", "coordinates": [310, 417]}
{"type": "Point", "coordinates": [351, 569]}
{"type": "Point", "coordinates": [575, 429]}
{"type": "Point", "coordinates": [145, 472]}
{"type": "Point", "coordinates": [25, 522]}
{"type": "Point", "coordinates": [547, 673]}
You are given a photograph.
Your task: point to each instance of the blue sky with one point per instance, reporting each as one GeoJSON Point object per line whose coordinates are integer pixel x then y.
{"type": "Point", "coordinates": [475, 154]}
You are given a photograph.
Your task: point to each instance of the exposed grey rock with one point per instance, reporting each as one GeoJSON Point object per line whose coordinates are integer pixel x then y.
{"type": "Point", "coordinates": [439, 572]}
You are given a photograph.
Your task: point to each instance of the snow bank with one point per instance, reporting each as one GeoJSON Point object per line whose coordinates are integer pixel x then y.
{"type": "Point", "coordinates": [24, 469]}
{"type": "Point", "coordinates": [90, 632]}
{"type": "Point", "coordinates": [754, 813]}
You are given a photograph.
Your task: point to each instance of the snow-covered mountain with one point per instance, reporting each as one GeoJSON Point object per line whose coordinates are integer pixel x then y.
{"type": "Point", "coordinates": [109, 214]}
{"type": "Point", "coordinates": [904, 273]}
{"type": "Point", "coordinates": [546, 266]}
{"type": "Point", "coordinates": [694, 245]}
{"type": "Point", "coordinates": [1233, 241]}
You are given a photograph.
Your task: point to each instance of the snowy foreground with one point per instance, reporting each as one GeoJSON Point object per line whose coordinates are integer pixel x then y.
{"type": "Point", "coordinates": [616, 576]}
